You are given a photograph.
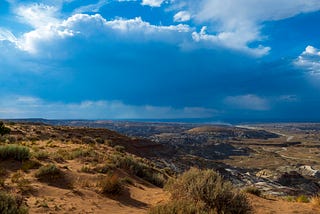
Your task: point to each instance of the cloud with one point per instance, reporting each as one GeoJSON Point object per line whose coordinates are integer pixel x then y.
{"type": "Point", "coordinates": [309, 60]}
{"type": "Point", "coordinates": [236, 24]}
{"type": "Point", "coordinates": [30, 107]}
{"type": "Point", "coordinates": [152, 3]}
{"type": "Point", "coordinates": [48, 28]}
{"type": "Point", "coordinates": [92, 7]}
{"type": "Point", "coordinates": [6, 35]}
{"type": "Point", "coordinates": [38, 15]}
{"type": "Point", "coordinates": [182, 16]}
{"type": "Point", "coordinates": [247, 102]}
{"type": "Point", "coordinates": [231, 40]}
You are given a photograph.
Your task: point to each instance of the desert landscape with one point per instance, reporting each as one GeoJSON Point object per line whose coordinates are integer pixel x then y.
{"type": "Point", "coordinates": [80, 167]}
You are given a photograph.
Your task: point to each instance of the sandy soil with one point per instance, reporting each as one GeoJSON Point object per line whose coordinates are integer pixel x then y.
{"type": "Point", "coordinates": [272, 206]}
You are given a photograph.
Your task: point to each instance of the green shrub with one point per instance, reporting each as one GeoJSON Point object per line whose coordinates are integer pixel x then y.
{"type": "Point", "coordinates": [209, 188]}
{"type": "Point", "coordinates": [3, 129]}
{"type": "Point", "coordinates": [253, 190]}
{"type": "Point", "coordinates": [139, 168]}
{"type": "Point", "coordinates": [303, 199]}
{"type": "Point", "coordinates": [30, 164]}
{"type": "Point", "coordinates": [49, 172]}
{"type": "Point", "coordinates": [41, 155]}
{"type": "Point", "coordinates": [119, 148]}
{"type": "Point", "coordinates": [110, 185]}
{"type": "Point", "coordinates": [11, 205]}
{"type": "Point", "coordinates": [15, 152]}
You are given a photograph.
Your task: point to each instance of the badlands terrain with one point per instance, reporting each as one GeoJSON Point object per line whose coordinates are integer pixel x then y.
{"type": "Point", "coordinates": [65, 164]}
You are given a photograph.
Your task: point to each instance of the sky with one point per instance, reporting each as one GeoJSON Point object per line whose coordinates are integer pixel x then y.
{"type": "Point", "coordinates": [246, 60]}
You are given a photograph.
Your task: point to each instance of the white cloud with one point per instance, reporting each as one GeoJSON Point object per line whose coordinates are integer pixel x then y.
{"type": "Point", "coordinates": [49, 28]}
{"type": "Point", "coordinates": [247, 102]}
{"type": "Point", "coordinates": [231, 40]}
{"type": "Point", "coordinates": [6, 35]}
{"type": "Point", "coordinates": [182, 16]}
{"type": "Point", "coordinates": [92, 7]}
{"type": "Point", "coordinates": [237, 23]}
{"type": "Point", "coordinates": [38, 15]}
{"type": "Point", "coordinates": [31, 107]}
{"type": "Point", "coordinates": [309, 60]}
{"type": "Point", "coordinates": [152, 3]}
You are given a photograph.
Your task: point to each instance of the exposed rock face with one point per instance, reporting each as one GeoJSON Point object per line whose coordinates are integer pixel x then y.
{"type": "Point", "coordinates": [265, 173]}
{"type": "Point", "coordinates": [309, 171]}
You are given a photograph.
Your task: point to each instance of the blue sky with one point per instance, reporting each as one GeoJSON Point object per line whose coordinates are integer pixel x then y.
{"type": "Point", "coordinates": [160, 59]}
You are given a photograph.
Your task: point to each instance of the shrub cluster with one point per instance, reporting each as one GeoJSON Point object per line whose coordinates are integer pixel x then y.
{"type": "Point", "coordinates": [14, 151]}
{"type": "Point", "coordinates": [139, 168]}
{"type": "Point", "coordinates": [11, 205]}
{"type": "Point", "coordinates": [203, 191]}
{"type": "Point", "coordinates": [49, 172]}
{"type": "Point", "coordinates": [3, 129]}
{"type": "Point", "coordinates": [110, 185]}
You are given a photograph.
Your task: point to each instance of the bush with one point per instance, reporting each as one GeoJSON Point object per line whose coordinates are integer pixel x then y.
{"type": "Point", "coordinates": [119, 148]}
{"type": "Point", "coordinates": [88, 140]}
{"type": "Point", "coordinates": [41, 155]}
{"type": "Point", "coordinates": [110, 185]}
{"type": "Point", "coordinates": [30, 164]}
{"type": "Point", "coordinates": [14, 151]}
{"type": "Point", "coordinates": [4, 130]}
{"type": "Point", "coordinates": [302, 199]}
{"type": "Point", "coordinates": [11, 205]}
{"type": "Point", "coordinates": [315, 200]}
{"type": "Point", "coordinates": [208, 187]}
{"type": "Point", "coordinates": [49, 172]}
{"type": "Point", "coordinates": [253, 191]}
{"type": "Point", "coordinates": [139, 168]}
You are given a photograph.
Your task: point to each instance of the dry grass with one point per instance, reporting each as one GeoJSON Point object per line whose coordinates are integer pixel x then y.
{"type": "Point", "coordinates": [110, 185]}
{"type": "Point", "coordinates": [315, 200]}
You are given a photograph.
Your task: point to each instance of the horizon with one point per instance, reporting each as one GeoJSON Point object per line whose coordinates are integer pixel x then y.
{"type": "Point", "coordinates": [161, 59]}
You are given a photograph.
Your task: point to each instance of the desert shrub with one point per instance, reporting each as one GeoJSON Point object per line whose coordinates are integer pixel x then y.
{"type": "Point", "coordinates": [11, 205]}
{"type": "Point", "coordinates": [302, 199]}
{"type": "Point", "coordinates": [106, 168]}
{"type": "Point", "coordinates": [315, 200]}
{"type": "Point", "coordinates": [22, 183]}
{"type": "Point", "coordinates": [3, 129]}
{"type": "Point", "coordinates": [253, 190]}
{"type": "Point", "coordinates": [110, 185]}
{"type": "Point", "coordinates": [41, 155]}
{"type": "Point", "coordinates": [15, 152]}
{"type": "Point", "coordinates": [99, 140]}
{"type": "Point", "coordinates": [139, 168]}
{"type": "Point", "coordinates": [86, 169]}
{"type": "Point", "coordinates": [88, 140]}
{"type": "Point", "coordinates": [30, 164]}
{"type": "Point", "coordinates": [178, 207]}
{"type": "Point", "coordinates": [49, 172]}
{"type": "Point", "coordinates": [119, 148]}
{"type": "Point", "coordinates": [127, 180]}
{"type": "Point", "coordinates": [209, 188]}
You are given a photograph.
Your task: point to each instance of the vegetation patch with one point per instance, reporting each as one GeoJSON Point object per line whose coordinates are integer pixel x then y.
{"type": "Point", "coordinates": [205, 190]}
{"type": "Point", "coordinates": [15, 152]}
{"type": "Point", "coordinates": [11, 204]}
{"type": "Point", "coordinates": [49, 172]}
{"type": "Point", "coordinates": [110, 185]}
{"type": "Point", "coordinates": [254, 191]}
{"type": "Point", "coordinates": [139, 168]}
{"type": "Point", "coordinates": [179, 207]}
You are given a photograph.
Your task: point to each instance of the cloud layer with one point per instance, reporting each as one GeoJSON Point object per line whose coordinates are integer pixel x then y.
{"type": "Point", "coordinates": [31, 107]}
